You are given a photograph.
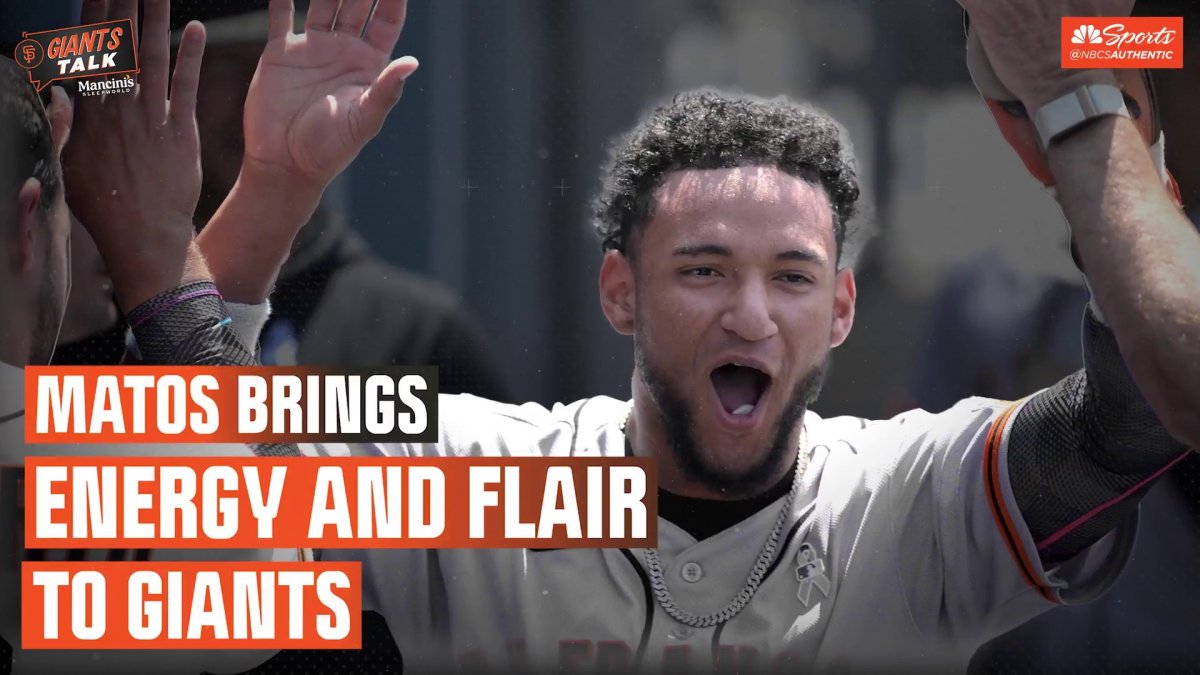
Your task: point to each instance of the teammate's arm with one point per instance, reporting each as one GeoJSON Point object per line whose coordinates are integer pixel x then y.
{"type": "Point", "coordinates": [1141, 254]}
{"type": "Point", "coordinates": [1137, 402]}
{"type": "Point", "coordinates": [316, 99]}
{"type": "Point", "coordinates": [1142, 257]}
{"type": "Point", "coordinates": [1082, 452]}
{"type": "Point", "coordinates": [132, 165]}
{"type": "Point", "coordinates": [132, 175]}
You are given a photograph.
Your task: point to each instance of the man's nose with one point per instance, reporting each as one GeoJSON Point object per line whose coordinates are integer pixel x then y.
{"type": "Point", "coordinates": [749, 317]}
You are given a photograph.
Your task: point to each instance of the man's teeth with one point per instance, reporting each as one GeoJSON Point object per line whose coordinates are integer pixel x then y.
{"type": "Point", "coordinates": [744, 409]}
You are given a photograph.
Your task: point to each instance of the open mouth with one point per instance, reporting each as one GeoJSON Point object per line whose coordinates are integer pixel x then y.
{"type": "Point", "coordinates": [740, 388]}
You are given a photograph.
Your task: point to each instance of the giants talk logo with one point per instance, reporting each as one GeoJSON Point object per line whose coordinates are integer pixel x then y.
{"type": "Point", "coordinates": [91, 51]}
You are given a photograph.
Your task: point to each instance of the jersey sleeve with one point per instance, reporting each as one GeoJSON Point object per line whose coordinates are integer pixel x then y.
{"type": "Point", "coordinates": [972, 567]}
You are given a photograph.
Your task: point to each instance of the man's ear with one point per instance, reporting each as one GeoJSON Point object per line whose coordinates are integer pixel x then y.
{"type": "Point", "coordinates": [617, 286]}
{"type": "Point", "coordinates": [844, 293]}
{"type": "Point", "coordinates": [28, 220]}
{"type": "Point", "coordinates": [60, 112]}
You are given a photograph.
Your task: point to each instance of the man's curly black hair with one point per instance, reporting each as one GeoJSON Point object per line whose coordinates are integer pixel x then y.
{"type": "Point", "coordinates": [707, 129]}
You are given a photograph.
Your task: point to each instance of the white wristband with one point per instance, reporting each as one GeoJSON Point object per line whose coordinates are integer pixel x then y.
{"type": "Point", "coordinates": [248, 321]}
{"type": "Point", "coordinates": [1072, 110]}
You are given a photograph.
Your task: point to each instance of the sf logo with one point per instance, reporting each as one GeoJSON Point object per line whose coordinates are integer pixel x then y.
{"type": "Point", "coordinates": [29, 54]}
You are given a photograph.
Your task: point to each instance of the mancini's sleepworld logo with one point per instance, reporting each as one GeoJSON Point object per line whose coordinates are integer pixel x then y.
{"type": "Point", "coordinates": [91, 51]}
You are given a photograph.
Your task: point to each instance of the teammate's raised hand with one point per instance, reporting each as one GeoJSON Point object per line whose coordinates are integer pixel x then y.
{"type": "Point", "coordinates": [319, 96]}
{"type": "Point", "coordinates": [132, 166]}
{"type": "Point", "coordinates": [1022, 40]}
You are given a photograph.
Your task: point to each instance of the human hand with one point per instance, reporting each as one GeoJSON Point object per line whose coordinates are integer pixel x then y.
{"type": "Point", "coordinates": [1022, 39]}
{"type": "Point", "coordinates": [318, 97]}
{"type": "Point", "coordinates": [132, 168]}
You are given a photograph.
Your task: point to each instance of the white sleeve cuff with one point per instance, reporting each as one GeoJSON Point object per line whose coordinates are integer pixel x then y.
{"type": "Point", "coordinates": [248, 321]}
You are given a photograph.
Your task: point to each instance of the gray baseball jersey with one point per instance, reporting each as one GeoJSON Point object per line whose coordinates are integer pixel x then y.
{"type": "Point", "coordinates": [903, 550]}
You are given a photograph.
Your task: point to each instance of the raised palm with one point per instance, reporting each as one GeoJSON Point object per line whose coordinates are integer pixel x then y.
{"type": "Point", "coordinates": [318, 97]}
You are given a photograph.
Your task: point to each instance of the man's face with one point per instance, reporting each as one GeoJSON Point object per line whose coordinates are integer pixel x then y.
{"type": "Point", "coordinates": [738, 303]}
{"type": "Point", "coordinates": [91, 307]}
{"type": "Point", "coordinates": [55, 284]}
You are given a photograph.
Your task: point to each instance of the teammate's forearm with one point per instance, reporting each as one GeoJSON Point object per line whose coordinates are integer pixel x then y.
{"type": "Point", "coordinates": [191, 326]}
{"type": "Point", "coordinates": [188, 326]}
{"type": "Point", "coordinates": [248, 239]}
{"type": "Point", "coordinates": [141, 269]}
{"type": "Point", "coordinates": [1142, 258]}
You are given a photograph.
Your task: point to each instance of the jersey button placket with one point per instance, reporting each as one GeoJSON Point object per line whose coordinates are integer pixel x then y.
{"type": "Point", "coordinates": [691, 572]}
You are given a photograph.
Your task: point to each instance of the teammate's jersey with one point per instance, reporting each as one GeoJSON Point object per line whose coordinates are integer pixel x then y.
{"type": "Point", "coordinates": [904, 550]}
{"type": "Point", "coordinates": [13, 452]}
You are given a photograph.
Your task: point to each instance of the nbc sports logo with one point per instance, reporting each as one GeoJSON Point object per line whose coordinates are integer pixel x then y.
{"type": "Point", "coordinates": [1086, 34]}
{"type": "Point", "coordinates": [1122, 42]}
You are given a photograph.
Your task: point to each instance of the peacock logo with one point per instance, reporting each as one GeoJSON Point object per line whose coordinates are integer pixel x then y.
{"type": "Point", "coordinates": [1087, 34]}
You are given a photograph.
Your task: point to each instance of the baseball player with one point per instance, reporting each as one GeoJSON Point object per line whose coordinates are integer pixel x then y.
{"type": "Point", "coordinates": [147, 145]}
{"type": "Point", "coordinates": [788, 540]}
{"type": "Point", "coordinates": [178, 315]}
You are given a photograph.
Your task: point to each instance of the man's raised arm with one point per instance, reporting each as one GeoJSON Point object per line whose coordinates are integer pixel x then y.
{"type": "Point", "coordinates": [1140, 252]}
{"type": "Point", "coordinates": [1142, 257]}
{"type": "Point", "coordinates": [139, 209]}
{"type": "Point", "coordinates": [1081, 453]}
{"type": "Point", "coordinates": [132, 173]}
{"type": "Point", "coordinates": [316, 99]}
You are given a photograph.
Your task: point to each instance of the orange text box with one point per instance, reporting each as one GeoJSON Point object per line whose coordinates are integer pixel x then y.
{"type": "Point", "coordinates": [191, 605]}
{"type": "Point", "coordinates": [339, 502]}
{"type": "Point", "coordinates": [227, 404]}
{"type": "Point", "coordinates": [1122, 42]}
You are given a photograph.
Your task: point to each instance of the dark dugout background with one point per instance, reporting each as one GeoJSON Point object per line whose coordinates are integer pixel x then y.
{"type": "Point", "coordinates": [483, 175]}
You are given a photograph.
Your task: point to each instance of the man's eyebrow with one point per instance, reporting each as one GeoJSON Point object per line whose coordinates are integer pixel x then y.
{"type": "Point", "coordinates": [695, 250]}
{"type": "Point", "coordinates": [801, 255]}
{"type": "Point", "coordinates": [795, 254]}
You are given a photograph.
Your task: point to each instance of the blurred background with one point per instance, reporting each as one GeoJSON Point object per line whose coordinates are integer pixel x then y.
{"type": "Point", "coordinates": [483, 176]}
